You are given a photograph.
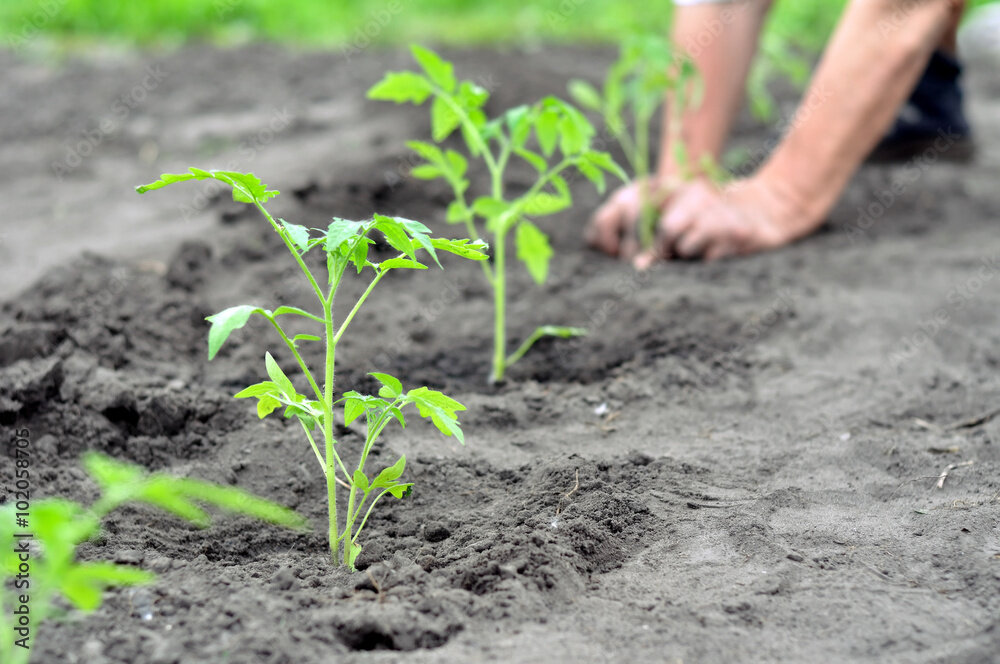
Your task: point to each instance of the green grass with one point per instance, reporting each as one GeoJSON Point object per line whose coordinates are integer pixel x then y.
{"type": "Point", "coordinates": [330, 23]}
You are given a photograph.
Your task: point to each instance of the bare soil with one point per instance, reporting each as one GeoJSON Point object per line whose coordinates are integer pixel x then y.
{"type": "Point", "coordinates": [757, 443]}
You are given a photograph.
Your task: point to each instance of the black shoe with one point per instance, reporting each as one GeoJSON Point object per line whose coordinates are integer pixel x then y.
{"type": "Point", "coordinates": [932, 122]}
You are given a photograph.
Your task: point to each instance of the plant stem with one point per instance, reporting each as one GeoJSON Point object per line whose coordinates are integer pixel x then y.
{"type": "Point", "coordinates": [357, 305]}
{"type": "Point", "coordinates": [357, 532]}
{"type": "Point", "coordinates": [499, 307]}
{"type": "Point", "coordinates": [302, 364]}
{"type": "Point", "coordinates": [295, 252]}
{"type": "Point", "coordinates": [331, 480]}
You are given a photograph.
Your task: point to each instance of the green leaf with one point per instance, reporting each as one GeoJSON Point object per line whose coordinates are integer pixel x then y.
{"type": "Point", "coordinates": [389, 475]}
{"type": "Point", "coordinates": [490, 208]}
{"type": "Point", "coordinates": [604, 161]}
{"type": "Point", "coordinates": [426, 172]}
{"type": "Point", "coordinates": [225, 322]}
{"type": "Point", "coordinates": [340, 232]}
{"type": "Point", "coordinates": [401, 490]}
{"type": "Point", "coordinates": [239, 502]}
{"type": "Point", "coordinates": [439, 408]}
{"type": "Point", "coordinates": [84, 584]}
{"type": "Point", "coordinates": [561, 331]}
{"type": "Point", "coordinates": [305, 337]}
{"type": "Point", "coordinates": [544, 203]}
{"type": "Point", "coordinates": [353, 551]}
{"type": "Point", "coordinates": [547, 131]}
{"type": "Point", "coordinates": [279, 377]}
{"type": "Point", "coordinates": [438, 69]}
{"type": "Point", "coordinates": [465, 248]}
{"type": "Point", "coordinates": [360, 481]}
{"type": "Point", "coordinates": [299, 235]}
{"type": "Point", "coordinates": [585, 94]}
{"type": "Point", "coordinates": [444, 119]}
{"type": "Point", "coordinates": [391, 387]}
{"type": "Point", "coordinates": [533, 158]}
{"type": "Point", "coordinates": [572, 139]}
{"type": "Point", "coordinates": [458, 165]}
{"type": "Point", "coordinates": [395, 234]}
{"type": "Point", "coordinates": [594, 174]}
{"type": "Point", "coordinates": [519, 123]}
{"type": "Point", "coordinates": [353, 409]}
{"type": "Point", "coordinates": [266, 405]}
{"type": "Point", "coordinates": [420, 234]}
{"type": "Point", "coordinates": [471, 98]}
{"type": "Point", "coordinates": [428, 151]}
{"type": "Point", "coordinates": [458, 212]}
{"type": "Point", "coordinates": [534, 249]}
{"type": "Point", "coordinates": [257, 390]}
{"type": "Point", "coordinates": [401, 263]}
{"type": "Point", "coordinates": [401, 87]}
{"type": "Point", "coordinates": [247, 187]}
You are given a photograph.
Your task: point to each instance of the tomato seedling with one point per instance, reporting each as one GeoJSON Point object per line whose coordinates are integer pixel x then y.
{"type": "Point", "coordinates": [646, 72]}
{"type": "Point", "coordinates": [555, 124]}
{"type": "Point", "coordinates": [345, 244]}
{"type": "Point", "coordinates": [32, 578]}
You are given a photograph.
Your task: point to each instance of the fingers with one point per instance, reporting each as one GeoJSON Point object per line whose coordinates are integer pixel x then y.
{"type": "Point", "coordinates": [613, 219]}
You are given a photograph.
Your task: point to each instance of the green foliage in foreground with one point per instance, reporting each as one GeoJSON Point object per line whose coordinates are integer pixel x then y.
{"type": "Point", "coordinates": [562, 141]}
{"type": "Point", "coordinates": [344, 247]}
{"type": "Point", "coordinates": [49, 569]}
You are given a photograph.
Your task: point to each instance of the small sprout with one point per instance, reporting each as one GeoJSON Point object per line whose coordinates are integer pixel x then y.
{"type": "Point", "coordinates": [59, 526]}
{"type": "Point", "coordinates": [551, 136]}
{"type": "Point", "coordinates": [345, 245]}
{"type": "Point", "coordinates": [646, 72]}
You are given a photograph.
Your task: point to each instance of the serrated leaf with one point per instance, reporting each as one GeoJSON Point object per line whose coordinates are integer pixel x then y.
{"type": "Point", "coordinates": [465, 248]}
{"type": "Point", "coordinates": [439, 408]}
{"type": "Point", "coordinates": [585, 94]}
{"type": "Point", "coordinates": [401, 263]}
{"type": "Point", "coordinates": [437, 68]}
{"type": "Point", "coordinates": [226, 322]}
{"type": "Point", "coordinates": [395, 234]}
{"type": "Point", "coordinates": [353, 409]}
{"type": "Point", "coordinates": [340, 232]}
{"type": "Point", "coordinates": [534, 250]}
{"type": "Point", "coordinates": [401, 87]}
{"type": "Point", "coordinates": [391, 384]}
{"type": "Point", "coordinates": [389, 475]}
{"type": "Point", "coordinates": [444, 119]}
{"type": "Point", "coordinates": [247, 187]}
{"type": "Point", "coordinates": [299, 235]}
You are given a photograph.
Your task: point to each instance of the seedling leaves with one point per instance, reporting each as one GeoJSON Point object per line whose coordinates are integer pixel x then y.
{"type": "Point", "coordinates": [225, 322]}
{"type": "Point", "coordinates": [534, 249]}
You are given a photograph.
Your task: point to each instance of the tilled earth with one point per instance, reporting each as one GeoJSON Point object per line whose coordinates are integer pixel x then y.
{"type": "Point", "coordinates": [740, 463]}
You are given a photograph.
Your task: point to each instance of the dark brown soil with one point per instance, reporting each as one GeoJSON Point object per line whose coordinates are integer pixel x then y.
{"type": "Point", "coordinates": [757, 442]}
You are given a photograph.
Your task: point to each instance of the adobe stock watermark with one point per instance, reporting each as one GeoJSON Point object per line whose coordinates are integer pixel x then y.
{"type": "Point", "coordinates": [931, 327]}
{"type": "Point", "coordinates": [79, 149]}
{"type": "Point", "coordinates": [46, 10]}
{"type": "Point", "coordinates": [908, 176]}
{"type": "Point", "coordinates": [247, 150]}
{"type": "Point", "coordinates": [366, 34]}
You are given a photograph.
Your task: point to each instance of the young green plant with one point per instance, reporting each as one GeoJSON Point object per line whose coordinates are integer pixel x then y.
{"type": "Point", "coordinates": [345, 247]}
{"type": "Point", "coordinates": [562, 141]}
{"type": "Point", "coordinates": [646, 72]}
{"type": "Point", "coordinates": [32, 578]}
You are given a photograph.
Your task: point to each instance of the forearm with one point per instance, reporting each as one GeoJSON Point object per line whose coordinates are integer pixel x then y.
{"type": "Point", "coordinates": [721, 40]}
{"type": "Point", "coordinates": [867, 72]}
